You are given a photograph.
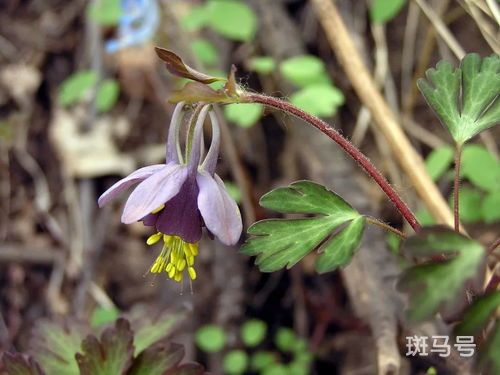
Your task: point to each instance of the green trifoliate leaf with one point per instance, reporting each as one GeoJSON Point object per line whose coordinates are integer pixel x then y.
{"type": "Point", "coordinates": [465, 99]}
{"type": "Point", "coordinates": [253, 332]}
{"type": "Point", "coordinates": [384, 10]}
{"type": "Point", "coordinates": [232, 19]}
{"type": "Point", "coordinates": [304, 70]}
{"type": "Point", "coordinates": [490, 207]}
{"type": "Point", "coordinates": [477, 315]}
{"type": "Point", "coordinates": [17, 364]}
{"type": "Point", "coordinates": [440, 284]}
{"type": "Point", "coordinates": [262, 64]}
{"type": "Point", "coordinates": [282, 243]}
{"type": "Point", "coordinates": [54, 346]}
{"type": "Point", "coordinates": [158, 359]}
{"type": "Point", "coordinates": [439, 161]}
{"type": "Point", "coordinates": [481, 168]}
{"type": "Point", "coordinates": [320, 99]}
{"type": "Point", "coordinates": [76, 86]}
{"type": "Point", "coordinates": [244, 114]}
{"type": "Point", "coordinates": [112, 354]}
{"type": "Point", "coordinates": [210, 338]}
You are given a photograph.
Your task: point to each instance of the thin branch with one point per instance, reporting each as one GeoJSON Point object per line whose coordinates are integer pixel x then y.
{"type": "Point", "coordinates": [385, 226]}
{"type": "Point", "coordinates": [347, 146]}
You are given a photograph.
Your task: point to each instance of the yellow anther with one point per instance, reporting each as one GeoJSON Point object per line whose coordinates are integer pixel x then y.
{"type": "Point", "coordinates": [176, 256]}
{"type": "Point", "coordinates": [192, 273]}
{"type": "Point", "coordinates": [193, 248]}
{"type": "Point", "coordinates": [155, 211]}
{"type": "Point", "coordinates": [181, 265]}
{"type": "Point", "coordinates": [154, 238]}
{"type": "Point", "coordinates": [172, 272]}
{"type": "Point", "coordinates": [178, 277]}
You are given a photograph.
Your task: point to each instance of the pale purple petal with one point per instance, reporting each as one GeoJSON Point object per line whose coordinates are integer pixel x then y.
{"type": "Point", "coordinates": [195, 154]}
{"type": "Point", "coordinates": [153, 192]}
{"type": "Point", "coordinates": [181, 217]}
{"type": "Point", "coordinates": [133, 178]}
{"type": "Point", "coordinates": [213, 152]}
{"type": "Point", "coordinates": [174, 153]}
{"type": "Point", "coordinates": [219, 211]}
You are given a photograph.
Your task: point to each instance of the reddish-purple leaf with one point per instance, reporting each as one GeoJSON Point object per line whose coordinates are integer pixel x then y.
{"type": "Point", "coordinates": [157, 359]}
{"type": "Point", "coordinates": [112, 354]}
{"type": "Point", "coordinates": [17, 364]}
{"type": "Point", "coordinates": [177, 67]}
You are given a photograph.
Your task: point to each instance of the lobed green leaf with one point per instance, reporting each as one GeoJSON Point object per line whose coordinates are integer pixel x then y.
{"type": "Point", "coordinates": [54, 345]}
{"type": "Point", "coordinates": [280, 243]}
{"type": "Point", "coordinates": [465, 99]}
{"type": "Point", "coordinates": [437, 285]}
{"type": "Point", "coordinates": [477, 315]}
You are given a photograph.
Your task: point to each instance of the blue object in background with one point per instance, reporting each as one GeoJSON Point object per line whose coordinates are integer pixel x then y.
{"type": "Point", "coordinates": [137, 25]}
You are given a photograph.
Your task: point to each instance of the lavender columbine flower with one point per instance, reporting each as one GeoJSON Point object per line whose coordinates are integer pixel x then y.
{"type": "Point", "coordinates": [179, 197]}
{"type": "Point", "coordinates": [137, 25]}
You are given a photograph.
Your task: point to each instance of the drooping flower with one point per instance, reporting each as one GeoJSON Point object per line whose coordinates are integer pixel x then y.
{"type": "Point", "coordinates": [138, 24]}
{"type": "Point", "coordinates": [181, 196]}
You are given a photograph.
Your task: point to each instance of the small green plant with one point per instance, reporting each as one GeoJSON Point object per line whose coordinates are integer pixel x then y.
{"type": "Point", "coordinates": [138, 346]}
{"type": "Point", "coordinates": [291, 355]}
{"type": "Point", "coordinates": [78, 86]}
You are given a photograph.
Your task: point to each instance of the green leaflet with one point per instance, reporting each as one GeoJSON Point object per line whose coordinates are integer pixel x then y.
{"type": "Point", "coordinates": [54, 346]}
{"type": "Point", "coordinates": [280, 243]}
{"type": "Point", "coordinates": [434, 284]}
{"type": "Point", "coordinates": [478, 314]}
{"type": "Point", "coordinates": [465, 99]}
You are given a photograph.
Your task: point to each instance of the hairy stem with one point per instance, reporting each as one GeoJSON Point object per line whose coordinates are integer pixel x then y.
{"type": "Point", "coordinates": [347, 146]}
{"type": "Point", "coordinates": [456, 188]}
{"type": "Point", "coordinates": [385, 226]}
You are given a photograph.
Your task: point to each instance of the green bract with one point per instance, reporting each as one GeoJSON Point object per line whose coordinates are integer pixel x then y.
{"type": "Point", "coordinates": [282, 243]}
{"type": "Point", "coordinates": [466, 98]}
{"type": "Point", "coordinates": [438, 284]}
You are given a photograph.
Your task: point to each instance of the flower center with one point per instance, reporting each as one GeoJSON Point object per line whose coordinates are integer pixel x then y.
{"type": "Point", "coordinates": [176, 257]}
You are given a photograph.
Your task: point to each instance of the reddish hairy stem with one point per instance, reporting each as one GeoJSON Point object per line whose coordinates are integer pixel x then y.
{"type": "Point", "coordinates": [347, 146]}
{"type": "Point", "coordinates": [456, 188]}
